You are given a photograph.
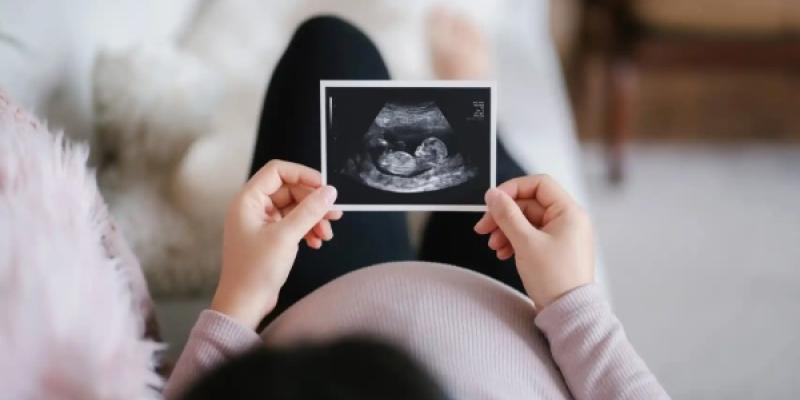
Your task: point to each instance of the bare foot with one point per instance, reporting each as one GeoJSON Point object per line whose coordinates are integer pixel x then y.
{"type": "Point", "coordinates": [458, 47]}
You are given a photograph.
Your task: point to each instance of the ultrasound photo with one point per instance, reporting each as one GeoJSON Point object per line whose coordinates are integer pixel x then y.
{"type": "Point", "coordinates": [396, 145]}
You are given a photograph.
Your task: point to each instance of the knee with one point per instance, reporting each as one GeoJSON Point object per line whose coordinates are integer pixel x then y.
{"type": "Point", "coordinates": [327, 28]}
{"type": "Point", "coordinates": [337, 49]}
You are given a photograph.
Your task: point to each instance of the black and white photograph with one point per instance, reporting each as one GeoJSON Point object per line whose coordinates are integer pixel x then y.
{"type": "Point", "coordinates": [408, 145]}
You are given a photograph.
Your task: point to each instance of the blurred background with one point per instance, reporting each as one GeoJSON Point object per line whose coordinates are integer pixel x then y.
{"type": "Point", "coordinates": [676, 122]}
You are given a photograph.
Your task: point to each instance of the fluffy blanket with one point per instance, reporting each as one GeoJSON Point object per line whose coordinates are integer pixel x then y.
{"type": "Point", "coordinates": [72, 298]}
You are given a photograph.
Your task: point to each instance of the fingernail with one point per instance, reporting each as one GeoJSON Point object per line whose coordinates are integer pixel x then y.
{"type": "Point", "coordinates": [330, 194]}
{"type": "Point", "coordinates": [491, 195]}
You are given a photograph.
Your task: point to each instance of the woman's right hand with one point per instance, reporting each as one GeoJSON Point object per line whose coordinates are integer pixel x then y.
{"type": "Point", "coordinates": [282, 204]}
{"type": "Point", "coordinates": [550, 235]}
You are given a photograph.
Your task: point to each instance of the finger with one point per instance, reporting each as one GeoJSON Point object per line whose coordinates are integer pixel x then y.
{"type": "Point", "coordinates": [509, 217]}
{"type": "Point", "coordinates": [309, 212]}
{"type": "Point", "coordinates": [505, 253]}
{"type": "Point", "coordinates": [287, 198]}
{"type": "Point", "coordinates": [313, 242]}
{"type": "Point", "coordinates": [282, 197]}
{"type": "Point", "coordinates": [290, 194]}
{"type": "Point", "coordinates": [531, 208]}
{"type": "Point", "coordinates": [323, 230]}
{"type": "Point", "coordinates": [334, 215]}
{"type": "Point", "coordinates": [542, 188]}
{"type": "Point", "coordinates": [498, 240]}
{"type": "Point", "coordinates": [486, 224]}
{"type": "Point", "coordinates": [277, 173]}
{"type": "Point", "coordinates": [318, 230]}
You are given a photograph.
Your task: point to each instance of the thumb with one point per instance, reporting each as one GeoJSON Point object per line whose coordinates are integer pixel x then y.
{"type": "Point", "coordinates": [309, 212]}
{"type": "Point", "coordinates": [509, 217]}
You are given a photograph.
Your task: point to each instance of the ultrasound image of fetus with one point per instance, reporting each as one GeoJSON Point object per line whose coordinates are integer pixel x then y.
{"type": "Point", "coordinates": [409, 149]}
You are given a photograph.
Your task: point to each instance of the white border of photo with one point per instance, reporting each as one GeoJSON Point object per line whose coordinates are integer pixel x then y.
{"type": "Point", "coordinates": [323, 106]}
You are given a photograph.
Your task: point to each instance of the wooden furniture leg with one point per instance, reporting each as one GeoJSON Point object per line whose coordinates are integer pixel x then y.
{"type": "Point", "coordinates": [621, 89]}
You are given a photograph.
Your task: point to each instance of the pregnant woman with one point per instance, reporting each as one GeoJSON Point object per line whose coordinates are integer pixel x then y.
{"type": "Point", "coordinates": [519, 319]}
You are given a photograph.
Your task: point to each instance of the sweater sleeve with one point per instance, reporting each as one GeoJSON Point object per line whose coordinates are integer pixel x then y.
{"type": "Point", "coordinates": [590, 347]}
{"type": "Point", "coordinates": [214, 339]}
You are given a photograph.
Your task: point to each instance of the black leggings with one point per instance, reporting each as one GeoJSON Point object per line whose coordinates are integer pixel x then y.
{"type": "Point", "coordinates": [329, 48]}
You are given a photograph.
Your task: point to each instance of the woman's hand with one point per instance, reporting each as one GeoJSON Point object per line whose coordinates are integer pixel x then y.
{"type": "Point", "coordinates": [282, 204]}
{"type": "Point", "coordinates": [534, 219]}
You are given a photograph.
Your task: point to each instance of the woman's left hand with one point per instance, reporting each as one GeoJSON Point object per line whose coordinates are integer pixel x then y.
{"type": "Point", "coordinates": [282, 204]}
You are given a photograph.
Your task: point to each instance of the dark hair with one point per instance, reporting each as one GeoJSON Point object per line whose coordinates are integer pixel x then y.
{"type": "Point", "coordinates": [350, 368]}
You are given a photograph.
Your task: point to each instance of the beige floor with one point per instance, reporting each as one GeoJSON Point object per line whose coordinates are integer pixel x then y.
{"type": "Point", "coordinates": [702, 250]}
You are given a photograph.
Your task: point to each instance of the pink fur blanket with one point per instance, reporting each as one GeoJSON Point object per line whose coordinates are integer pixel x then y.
{"type": "Point", "coordinates": [72, 298]}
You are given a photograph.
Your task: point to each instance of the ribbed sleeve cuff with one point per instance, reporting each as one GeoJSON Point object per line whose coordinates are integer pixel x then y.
{"type": "Point", "coordinates": [231, 336]}
{"type": "Point", "coordinates": [582, 300]}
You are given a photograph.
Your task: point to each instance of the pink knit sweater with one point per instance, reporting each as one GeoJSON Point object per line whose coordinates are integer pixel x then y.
{"type": "Point", "coordinates": [477, 336]}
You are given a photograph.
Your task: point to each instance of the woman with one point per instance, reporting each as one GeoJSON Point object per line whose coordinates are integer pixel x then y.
{"type": "Point", "coordinates": [473, 332]}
